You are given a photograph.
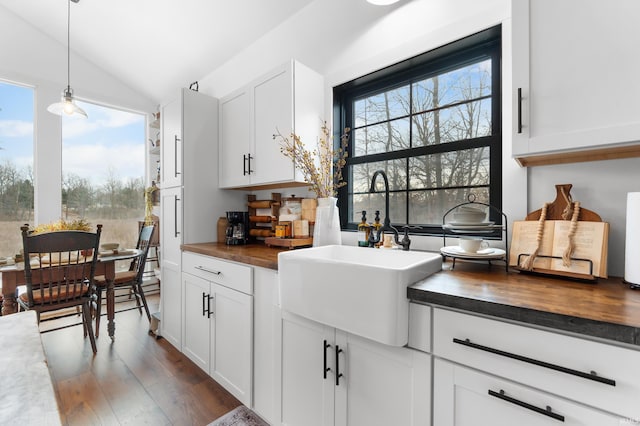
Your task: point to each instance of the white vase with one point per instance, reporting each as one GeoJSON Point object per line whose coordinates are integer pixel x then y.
{"type": "Point", "coordinates": [326, 230]}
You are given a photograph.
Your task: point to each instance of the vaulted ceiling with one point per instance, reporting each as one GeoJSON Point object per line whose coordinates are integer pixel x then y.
{"type": "Point", "coordinates": [156, 45]}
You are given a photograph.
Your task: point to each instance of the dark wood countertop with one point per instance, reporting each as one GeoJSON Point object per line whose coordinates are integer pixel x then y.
{"type": "Point", "coordinates": [251, 254]}
{"type": "Point", "coordinates": [606, 309]}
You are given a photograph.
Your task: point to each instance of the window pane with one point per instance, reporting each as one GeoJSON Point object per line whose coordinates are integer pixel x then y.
{"type": "Point", "coordinates": [383, 106]}
{"type": "Point", "coordinates": [463, 84]}
{"type": "Point", "coordinates": [372, 202]}
{"type": "Point", "coordinates": [395, 170]}
{"type": "Point", "coordinates": [383, 137]}
{"type": "Point", "coordinates": [469, 167]}
{"type": "Point", "coordinates": [16, 164]}
{"type": "Point", "coordinates": [460, 122]}
{"type": "Point", "coordinates": [429, 207]}
{"type": "Point", "coordinates": [103, 164]}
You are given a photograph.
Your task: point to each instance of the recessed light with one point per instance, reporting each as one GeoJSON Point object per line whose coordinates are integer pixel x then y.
{"type": "Point", "coordinates": [382, 2]}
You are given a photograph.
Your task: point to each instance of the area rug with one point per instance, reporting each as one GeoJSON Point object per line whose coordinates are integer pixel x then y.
{"type": "Point", "coordinates": [240, 416]}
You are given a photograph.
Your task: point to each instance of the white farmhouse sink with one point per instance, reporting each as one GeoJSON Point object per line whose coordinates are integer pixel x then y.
{"type": "Point", "coordinates": [359, 290]}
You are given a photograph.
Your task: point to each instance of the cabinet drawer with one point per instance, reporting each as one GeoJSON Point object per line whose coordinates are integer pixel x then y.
{"type": "Point", "coordinates": [463, 396]}
{"type": "Point", "coordinates": [228, 274]}
{"type": "Point", "coordinates": [598, 374]}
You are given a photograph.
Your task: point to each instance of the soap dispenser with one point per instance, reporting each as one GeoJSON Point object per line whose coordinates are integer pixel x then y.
{"type": "Point", "coordinates": [363, 231]}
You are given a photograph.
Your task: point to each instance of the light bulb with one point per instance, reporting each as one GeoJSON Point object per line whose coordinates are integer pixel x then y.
{"type": "Point", "coordinates": [68, 107]}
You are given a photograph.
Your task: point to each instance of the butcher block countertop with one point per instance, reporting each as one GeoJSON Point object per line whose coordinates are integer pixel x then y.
{"type": "Point", "coordinates": [251, 254]}
{"type": "Point", "coordinates": [606, 309]}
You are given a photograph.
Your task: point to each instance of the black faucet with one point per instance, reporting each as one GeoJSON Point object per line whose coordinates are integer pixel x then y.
{"type": "Point", "coordinates": [386, 225]}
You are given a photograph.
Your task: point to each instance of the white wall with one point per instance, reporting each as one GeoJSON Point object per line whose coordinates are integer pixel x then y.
{"type": "Point", "coordinates": [344, 39]}
{"type": "Point", "coordinates": [31, 58]}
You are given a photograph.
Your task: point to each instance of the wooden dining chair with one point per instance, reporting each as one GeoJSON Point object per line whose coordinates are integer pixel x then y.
{"type": "Point", "coordinates": [132, 278]}
{"type": "Point", "coordinates": [59, 271]}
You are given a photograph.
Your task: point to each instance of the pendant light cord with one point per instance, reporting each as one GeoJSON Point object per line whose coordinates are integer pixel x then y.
{"type": "Point", "coordinates": [68, 44]}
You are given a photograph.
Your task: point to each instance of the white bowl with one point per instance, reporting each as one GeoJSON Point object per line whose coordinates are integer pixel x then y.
{"type": "Point", "coordinates": [109, 246]}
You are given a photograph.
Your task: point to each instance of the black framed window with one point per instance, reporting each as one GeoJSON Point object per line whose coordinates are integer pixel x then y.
{"type": "Point", "coordinates": [432, 123]}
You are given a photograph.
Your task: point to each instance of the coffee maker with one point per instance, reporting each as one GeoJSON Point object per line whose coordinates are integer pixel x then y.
{"type": "Point", "coordinates": [238, 228]}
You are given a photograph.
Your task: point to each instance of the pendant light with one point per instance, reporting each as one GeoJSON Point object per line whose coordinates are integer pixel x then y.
{"type": "Point", "coordinates": [67, 105]}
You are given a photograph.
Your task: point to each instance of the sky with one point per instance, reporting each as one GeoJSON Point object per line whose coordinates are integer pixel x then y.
{"type": "Point", "coordinates": [109, 140]}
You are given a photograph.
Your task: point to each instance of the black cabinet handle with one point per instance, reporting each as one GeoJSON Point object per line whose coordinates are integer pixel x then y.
{"type": "Point", "coordinates": [244, 165]}
{"type": "Point", "coordinates": [204, 297]}
{"type": "Point", "coordinates": [325, 346]}
{"type": "Point", "coordinates": [175, 156]}
{"type": "Point", "coordinates": [590, 376]}
{"type": "Point", "coordinates": [544, 411]}
{"type": "Point", "coordinates": [249, 157]}
{"type": "Point", "coordinates": [519, 109]}
{"type": "Point", "coordinates": [338, 373]}
{"type": "Point", "coordinates": [175, 216]}
{"type": "Point", "coordinates": [209, 311]}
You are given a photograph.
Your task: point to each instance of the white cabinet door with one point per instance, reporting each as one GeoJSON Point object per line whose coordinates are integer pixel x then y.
{"type": "Point", "coordinates": [307, 387]}
{"type": "Point", "coordinates": [171, 222]}
{"type": "Point", "coordinates": [381, 385]}
{"type": "Point", "coordinates": [171, 294]}
{"type": "Point", "coordinates": [171, 148]}
{"type": "Point", "coordinates": [196, 322]}
{"type": "Point", "coordinates": [232, 341]}
{"type": "Point", "coordinates": [273, 99]}
{"type": "Point", "coordinates": [171, 305]}
{"type": "Point", "coordinates": [266, 344]}
{"type": "Point", "coordinates": [290, 98]}
{"type": "Point", "coordinates": [330, 377]}
{"type": "Point", "coordinates": [462, 397]}
{"type": "Point", "coordinates": [581, 89]}
{"type": "Point", "coordinates": [235, 139]}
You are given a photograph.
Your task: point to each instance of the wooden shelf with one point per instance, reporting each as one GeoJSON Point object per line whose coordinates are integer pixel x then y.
{"type": "Point", "coordinates": [253, 205]}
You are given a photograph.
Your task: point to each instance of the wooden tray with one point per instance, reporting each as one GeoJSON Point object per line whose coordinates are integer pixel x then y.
{"type": "Point", "coordinates": [290, 243]}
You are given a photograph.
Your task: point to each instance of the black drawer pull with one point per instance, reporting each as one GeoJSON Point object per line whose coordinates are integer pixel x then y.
{"type": "Point", "coordinates": [325, 345]}
{"type": "Point", "coordinates": [338, 373]}
{"type": "Point", "coordinates": [590, 376]}
{"type": "Point", "coordinates": [519, 109]}
{"type": "Point", "coordinates": [546, 412]}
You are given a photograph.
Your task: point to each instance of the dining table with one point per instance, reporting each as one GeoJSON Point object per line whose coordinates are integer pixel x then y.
{"type": "Point", "coordinates": [12, 276]}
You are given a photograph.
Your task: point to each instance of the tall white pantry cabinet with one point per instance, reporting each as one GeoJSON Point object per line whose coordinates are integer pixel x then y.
{"type": "Point", "coordinates": [190, 199]}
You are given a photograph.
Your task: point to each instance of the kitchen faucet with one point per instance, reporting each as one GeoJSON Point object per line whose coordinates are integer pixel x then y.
{"type": "Point", "coordinates": [386, 225]}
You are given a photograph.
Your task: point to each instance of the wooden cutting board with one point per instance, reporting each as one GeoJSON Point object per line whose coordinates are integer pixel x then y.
{"type": "Point", "coordinates": [557, 207]}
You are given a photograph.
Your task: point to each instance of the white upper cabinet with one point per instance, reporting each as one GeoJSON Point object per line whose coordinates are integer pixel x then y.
{"type": "Point", "coordinates": [235, 134]}
{"type": "Point", "coordinates": [290, 99]}
{"type": "Point", "coordinates": [171, 148]}
{"type": "Point", "coordinates": [576, 74]}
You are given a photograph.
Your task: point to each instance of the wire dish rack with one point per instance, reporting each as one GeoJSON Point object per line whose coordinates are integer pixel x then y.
{"type": "Point", "coordinates": [482, 229]}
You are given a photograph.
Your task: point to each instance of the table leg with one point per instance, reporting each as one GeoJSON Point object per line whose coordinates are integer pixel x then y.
{"type": "Point", "coordinates": [110, 276]}
{"type": "Point", "coordinates": [111, 311]}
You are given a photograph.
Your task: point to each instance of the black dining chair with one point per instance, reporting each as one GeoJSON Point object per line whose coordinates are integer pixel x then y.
{"type": "Point", "coordinates": [132, 278]}
{"type": "Point", "coordinates": [59, 271]}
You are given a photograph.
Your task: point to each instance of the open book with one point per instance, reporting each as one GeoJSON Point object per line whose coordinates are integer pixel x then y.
{"type": "Point", "coordinates": [590, 243]}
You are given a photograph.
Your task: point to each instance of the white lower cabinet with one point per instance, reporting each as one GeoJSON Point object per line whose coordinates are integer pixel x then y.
{"type": "Point", "coordinates": [330, 377]}
{"type": "Point", "coordinates": [519, 371]}
{"type": "Point", "coordinates": [466, 397]}
{"type": "Point", "coordinates": [218, 322]}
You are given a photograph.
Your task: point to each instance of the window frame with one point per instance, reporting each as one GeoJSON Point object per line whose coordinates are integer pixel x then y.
{"type": "Point", "coordinates": [484, 44]}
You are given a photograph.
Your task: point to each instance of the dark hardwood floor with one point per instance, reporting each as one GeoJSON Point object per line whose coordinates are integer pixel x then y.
{"type": "Point", "coordinates": [132, 381]}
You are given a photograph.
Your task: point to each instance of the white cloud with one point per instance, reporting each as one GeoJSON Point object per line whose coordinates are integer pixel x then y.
{"type": "Point", "coordinates": [15, 128]}
{"type": "Point", "coordinates": [94, 161]}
